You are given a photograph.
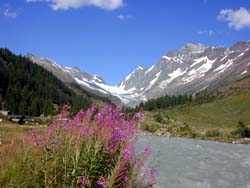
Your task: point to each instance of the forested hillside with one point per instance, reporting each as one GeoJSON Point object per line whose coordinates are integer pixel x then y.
{"type": "Point", "coordinates": [164, 102]}
{"type": "Point", "coordinates": [28, 89]}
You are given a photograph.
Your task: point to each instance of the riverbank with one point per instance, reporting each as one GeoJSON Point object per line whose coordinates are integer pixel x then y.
{"type": "Point", "coordinates": [167, 124]}
{"type": "Point", "coordinates": [198, 136]}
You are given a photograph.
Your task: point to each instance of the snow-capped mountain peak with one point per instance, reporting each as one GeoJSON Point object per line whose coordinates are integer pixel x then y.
{"type": "Point", "coordinates": [190, 69]}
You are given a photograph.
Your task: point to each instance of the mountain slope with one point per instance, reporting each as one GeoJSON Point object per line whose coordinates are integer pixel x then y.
{"type": "Point", "coordinates": [214, 119]}
{"type": "Point", "coordinates": [28, 89]}
{"type": "Point", "coordinates": [91, 83]}
{"type": "Point", "coordinates": [230, 106]}
{"type": "Point", "coordinates": [188, 70]}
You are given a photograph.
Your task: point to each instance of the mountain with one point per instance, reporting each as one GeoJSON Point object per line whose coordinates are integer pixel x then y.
{"type": "Point", "coordinates": [92, 83]}
{"type": "Point", "coordinates": [230, 105]}
{"type": "Point", "coordinates": [28, 89]}
{"type": "Point", "coordinates": [190, 69]}
{"type": "Point", "coordinates": [224, 117]}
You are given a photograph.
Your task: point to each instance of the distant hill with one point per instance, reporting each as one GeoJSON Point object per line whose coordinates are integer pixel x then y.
{"type": "Point", "coordinates": [28, 89]}
{"type": "Point", "coordinates": [228, 106]}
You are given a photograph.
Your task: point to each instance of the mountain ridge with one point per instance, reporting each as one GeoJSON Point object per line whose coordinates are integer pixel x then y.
{"type": "Point", "coordinates": [28, 89]}
{"type": "Point", "coordinates": [190, 69]}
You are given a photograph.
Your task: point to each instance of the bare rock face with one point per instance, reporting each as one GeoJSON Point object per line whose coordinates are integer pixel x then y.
{"type": "Point", "coordinates": [192, 68]}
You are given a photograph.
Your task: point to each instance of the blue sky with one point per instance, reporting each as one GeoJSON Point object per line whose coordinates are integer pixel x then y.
{"type": "Point", "coordinates": [111, 38]}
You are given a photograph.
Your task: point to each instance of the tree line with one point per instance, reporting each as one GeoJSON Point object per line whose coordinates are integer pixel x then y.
{"type": "Point", "coordinates": [28, 89]}
{"type": "Point", "coordinates": [164, 102]}
{"type": "Point", "coordinates": [167, 102]}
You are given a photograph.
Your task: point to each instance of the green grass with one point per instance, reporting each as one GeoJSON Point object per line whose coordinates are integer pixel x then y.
{"type": "Point", "coordinates": [215, 120]}
{"type": "Point", "coordinates": [221, 113]}
{"type": "Point", "coordinates": [12, 150]}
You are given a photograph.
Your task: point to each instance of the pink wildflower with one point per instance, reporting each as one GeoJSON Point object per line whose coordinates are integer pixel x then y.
{"type": "Point", "coordinates": [83, 181]}
{"type": "Point", "coordinates": [102, 183]}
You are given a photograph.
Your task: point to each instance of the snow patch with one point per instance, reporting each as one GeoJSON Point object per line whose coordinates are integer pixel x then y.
{"type": "Point", "coordinates": [178, 60]}
{"type": "Point", "coordinates": [140, 68]}
{"type": "Point", "coordinates": [89, 85]}
{"type": "Point", "coordinates": [150, 69]}
{"type": "Point", "coordinates": [199, 72]}
{"type": "Point", "coordinates": [240, 55]}
{"type": "Point", "coordinates": [175, 74]}
{"type": "Point", "coordinates": [199, 60]}
{"type": "Point", "coordinates": [224, 58]}
{"type": "Point", "coordinates": [223, 67]}
{"type": "Point", "coordinates": [125, 96]}
{"type": "Point", "coordinates": [131, 74]}
{"type": "Point", "coordinates": [244, 72]}
{"type": "Point", "coordinates": [96, 78]}
{"type": "Point", "coordinates": [166, 57]}
{"type": "Point", "coordinates": [152, 82]}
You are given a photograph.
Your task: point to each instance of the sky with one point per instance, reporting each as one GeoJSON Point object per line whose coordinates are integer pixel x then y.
{"type": "Point", "coordinates": [111, 38]}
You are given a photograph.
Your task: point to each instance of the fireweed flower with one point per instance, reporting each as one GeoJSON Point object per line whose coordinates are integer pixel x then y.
{"type": "Point", "coordinates": [152, 172]}
{"type": "Point", "coordinates": [90, 112]}
{"type": "Point", "coordinates": [65, 110]}
{"type": "Point", "coordinates": [102, 183]}
{"type": "Point", "coordinates": [147, 151]}
{"type": "Point", "coordinates": [138, 117]}
{"type": "Point", "coordinates": [32, 136]}
{"type": "Point", "coordinates": [80, 114]}
{"type": "Point", "coordinates": [108, 135]}
{"type": "Point", "coordinates": [127, 153]}
{"type": "Point", "coordinates": [85, 132]}
{"type": "Point", "coordinates": [33, 133]}
{"type": "Point", "coordinates": [117, 135]}
{"type": "Point", "coordinates": [38, 143]}
{"type": "Point", "coordinates": [83, 181]}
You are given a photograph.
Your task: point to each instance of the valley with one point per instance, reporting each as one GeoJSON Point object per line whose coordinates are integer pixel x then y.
{"type": "Point", "coordinates": [124, 94]}
{"type": "Point", "coordinates": [192, 68]}
{"type": "Point", "coordinates": [214, 119]}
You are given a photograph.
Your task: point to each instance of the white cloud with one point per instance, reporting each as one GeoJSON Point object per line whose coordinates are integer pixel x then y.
{"type": "Point", "coordinates": [237, 19]}
{"type": "Point", "coordinates": [7, 11]}
{"type": "Point", "coordinates": [67, 4]}
{"type": "Point", "coordinates": [206, 32]}
{"type": "Point", "coordinates": [123, 17]}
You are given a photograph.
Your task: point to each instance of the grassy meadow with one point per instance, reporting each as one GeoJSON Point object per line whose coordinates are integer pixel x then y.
{"type": "Point", "coordinates": [215, 120]}
{"type": "Point", "coordinates": [12, 150]}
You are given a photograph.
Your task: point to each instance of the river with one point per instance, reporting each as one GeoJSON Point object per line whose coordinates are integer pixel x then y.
{"type": "Point", "coordinates": [188, 163]}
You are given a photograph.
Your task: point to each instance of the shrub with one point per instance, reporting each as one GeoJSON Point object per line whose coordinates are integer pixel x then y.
{"type": "Point", "coordinates": [150, 126]}
{"type": "Point", "coordinates": [212, 133]}
{"type": "Point", "coordinates": [185, 128]}
{"type": "Point", "coordinates": [158, 117]}
{"type": "Point", "coordinates": [92, 150]}
{"type": "Point", "coordinates": [242, 130]}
